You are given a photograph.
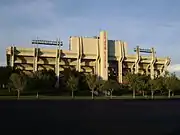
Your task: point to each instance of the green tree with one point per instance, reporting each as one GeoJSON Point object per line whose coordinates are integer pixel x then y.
{"type": "Point", "coordinates": [171, 83]}
{"type": "Point", "coordinates": [112, 74]}
{"type": "Point", "coordinates": [133, 82]}
{"type": "Point", "coordinates": [44, 80]}
{"type": "Point", "coordinates": [156, 84]}
{"type": "Point", "coordinates": [143, 83]}
{"type": "Point", "coordinates": [5, 73]}
{"type": "Point", "coordinates": [92, 83]}
{"type": "Point", "coordinates": [17, 82]}
{"type": "Point", "coordinates": [100, 86]}
{"type": "Point", "coordinates": [72, 84]}
{"type": "Point", "coordinates": [111, 85]}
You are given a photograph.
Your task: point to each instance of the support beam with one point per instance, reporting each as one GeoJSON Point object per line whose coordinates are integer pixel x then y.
{"type": "Point", "coordinates": [12, 55]}
{"type": "Point", "coordinates": [153, 60]}
{"type": "Point", "coordinates": [57, 62]}
{"type": "Point", "coordinates": [161, 70]}
{"type": "Point", "coordinates": [166, 64]}
{"type": "Point", "coordinates": [120, 61]}
{"type": "Point", "coordinates": [79, 53]}
{"type": "Point", "coordinates": [35, 66]}
{"type": "Point", "coordinates": [147, 69]}
{"type": "Point", "coordinates": [137, 60]}
{"type": "Point", "coordinates": [132, 68]}
{"type": "Point", "coordinates": [97, 67]}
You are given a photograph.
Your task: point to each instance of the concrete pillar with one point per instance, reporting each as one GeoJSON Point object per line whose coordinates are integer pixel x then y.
{"type": "Point", "coordinates": [12, 55]}
{"type": "Point", "coordinates": [79, 54]}
{"type": "Point", "coordinates": [165, 66]}
{"type": "Point", "coordinates": [120, 71]}
{"type": "Point", "coordinates": [137, 60]}
{"type": "Point", "coordinates": [153, 60]}
{"type": "Point", "coordinates": [147, 69]}
{"type": "Point", "coordinates": [120, 61]}
{"type": "Point", "coordinates": [104, 55]}
{"type": "Point", "coordinates": [97, 67]}
{"type": "Point", "coordinates": [57, 62]}
{"type": "Point", "coordinates": [125, 49]}
{"type": "Point", "coordinates": [161, 70]}
{"type": "Point", "coordinates": [35, 66]}
{"type": "Point", "coordinates": [132, 68]}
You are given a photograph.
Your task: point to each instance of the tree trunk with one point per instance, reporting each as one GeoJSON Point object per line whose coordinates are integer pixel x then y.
{"type": "Point", "coordinates": [9, 89]}
{"type": "Point", "coordinates": [72, 94]}
{"type": "Point", "coordinates": [134, 94]}
{"type": "Point", "coordinates": [92, 94]}
{"type": "Point", "coordinates": [111, 90]}
{"type": "Point", "coordinates": [143, 93]}
{"type": "Point", "coordinates": [18, 91]}
{"type": "Point", "coordinates": [37, 95]}
{"type": "Point", "coordinates": [169, 93]}
{"type": "Point", "coordinates": [152, 94]}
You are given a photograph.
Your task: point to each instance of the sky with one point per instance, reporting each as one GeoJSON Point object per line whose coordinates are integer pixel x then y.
{"type": "Point", "coordinates": [147, 23]}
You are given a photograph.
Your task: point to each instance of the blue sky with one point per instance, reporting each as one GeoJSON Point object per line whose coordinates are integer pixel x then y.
{"type": "Point", "coordinates": [148, 23]}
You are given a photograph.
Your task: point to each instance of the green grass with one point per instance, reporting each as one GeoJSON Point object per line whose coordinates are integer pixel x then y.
{"type": "Point", "coordinates": [26, 95]}
{"type": "Point", "coordinates": [43, 97]}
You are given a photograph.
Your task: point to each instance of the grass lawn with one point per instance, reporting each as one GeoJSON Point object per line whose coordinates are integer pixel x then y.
{"type": "Point", "coordinates": [5, 95]}
{"type": "Point", "coordinates": [43, 97]}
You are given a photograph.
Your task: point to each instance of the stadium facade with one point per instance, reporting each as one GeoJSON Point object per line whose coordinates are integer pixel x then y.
{"type": "Point", "coordinates": [97, 55]}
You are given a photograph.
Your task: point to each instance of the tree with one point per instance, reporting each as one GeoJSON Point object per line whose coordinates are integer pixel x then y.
{"type": "Point", "coordinates": [72, 84]}
{"type": "Point", "coordinates": [44, 79]}
{"type": "Point", "coordinates": [5, 73]}
{"type": "Point", "coordinates": [100, 85]}
{"type": "Point", "coordinates": [156, 84]}
{"type": "Point", "coordinates": [171, 83]}
{"type": "Point", "coordinates": [17, 83]}
{"type": "Point", "coordinates": [143, 83]}
{"type": "Point", "coordinates": [112, 74]}
{"type": "Point", "coordinates": [133, 82]}
{"type": "Point", "coordinates": [92, 83]}
{"type": "Point", "coordinates": [111, 85]}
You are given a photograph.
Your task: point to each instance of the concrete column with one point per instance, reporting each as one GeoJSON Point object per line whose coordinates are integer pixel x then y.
{"type": "Point", "coordinates": [161, 70]}
{"type": "Point", "coordinates": [79, 53]}
{"type": "Point", "coordinates": [36, 51]}
{"type": "Point", "coordinates": [147, 69]}
{"type": "Point", "coordinates": [165, 66]}
{"type": "Point", "coordinates": [120, 61]}
{"type": "Point", "coordinates": [132, 68]}
{"type": "Point", "coordinates": [78, 44]}
{"type": "Point", "coordinates": [152, 63]}
{"type": "Point", "coordinates": [104, 55]}
{"type": "Point", "coordinates": [97, 68]}
{"type": "Point", "coordinates": [57, 62]}
{"type": "Point", "coordinates": [120, 71]}
{"type": "Point", "coordinates": [137, 60]}
{"type": "Point", "coordinates": [12, 55]}
{"type": "Point", "coordinates": [125, 49]}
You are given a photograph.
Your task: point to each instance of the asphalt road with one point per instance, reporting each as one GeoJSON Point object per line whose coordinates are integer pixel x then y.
{"type": "Point", "coordinates": [121, 117]}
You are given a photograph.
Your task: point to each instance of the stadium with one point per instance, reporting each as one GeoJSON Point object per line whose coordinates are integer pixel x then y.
{"type": "Point", "coordinates": [97, 55]}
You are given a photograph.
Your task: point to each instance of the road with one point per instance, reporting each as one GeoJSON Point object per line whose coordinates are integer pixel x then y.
{"type": "Point", "coordinates": [89, 117]}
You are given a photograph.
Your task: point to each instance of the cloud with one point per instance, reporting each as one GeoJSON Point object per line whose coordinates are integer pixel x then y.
{"type": "Point", "coordinates": [174, 68]}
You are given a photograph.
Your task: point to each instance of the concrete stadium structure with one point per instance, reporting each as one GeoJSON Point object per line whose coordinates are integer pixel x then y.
{"type": "Point", "coordinates": [89, 54]}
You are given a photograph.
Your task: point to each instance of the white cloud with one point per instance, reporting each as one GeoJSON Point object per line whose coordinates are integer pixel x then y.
{"type": "Point", "coordinates": [174, 68]}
